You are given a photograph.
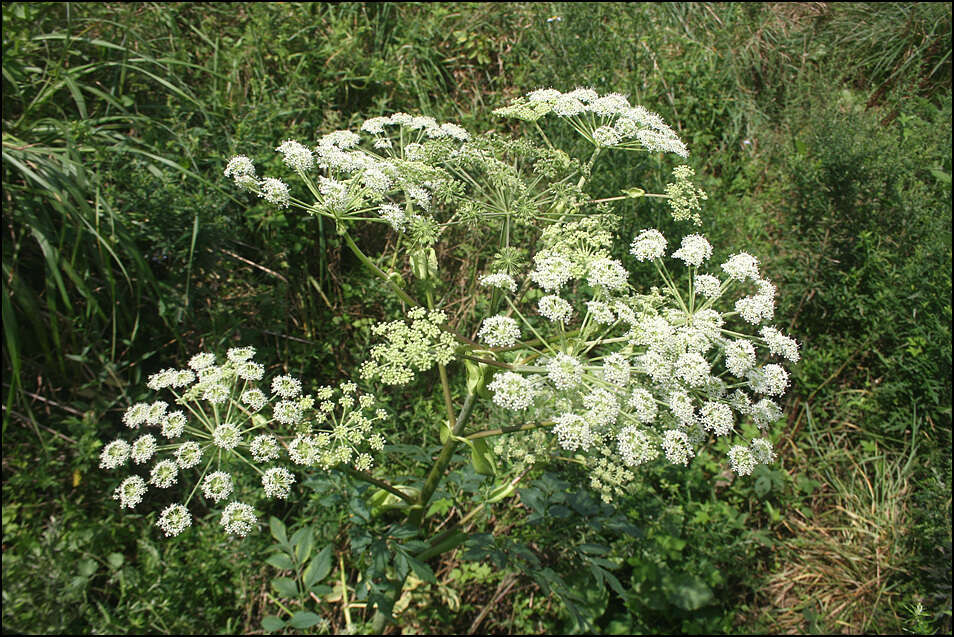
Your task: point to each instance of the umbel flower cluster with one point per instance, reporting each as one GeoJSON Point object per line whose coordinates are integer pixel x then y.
{"type": "Point", "coordinates": [589, 364]}
{"type": "Point", "coordinates": [223, 424]}
{"type": "Point", "coordinates": [623, 376]}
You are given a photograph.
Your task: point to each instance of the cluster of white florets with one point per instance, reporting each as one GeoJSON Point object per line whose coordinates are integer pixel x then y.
{"type": "Point", "coordinates": [412, 345]}
{"type": "Point", "coordinates": [382, 169]}
{"type": "Point", "coordinates": [643, 376]}
{"type": "Point", "coordinates": [606, 120]}
{"type": "Point", "coordinates": [221, 421]}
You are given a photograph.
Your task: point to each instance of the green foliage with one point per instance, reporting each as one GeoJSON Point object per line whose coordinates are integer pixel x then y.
{"type": "Point", "coordinates": [821, 132]}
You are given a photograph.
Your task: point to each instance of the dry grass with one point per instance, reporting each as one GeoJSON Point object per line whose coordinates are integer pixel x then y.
{"type": "Point", "coordinates": [841, 550]}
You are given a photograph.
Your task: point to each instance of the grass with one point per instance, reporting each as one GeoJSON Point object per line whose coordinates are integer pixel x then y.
{"type": "Point", "coordinates": [821, 132]}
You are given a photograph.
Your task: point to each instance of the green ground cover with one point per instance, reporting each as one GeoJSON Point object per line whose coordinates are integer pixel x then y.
{"type": "Point", "coordinates": [822, 133]}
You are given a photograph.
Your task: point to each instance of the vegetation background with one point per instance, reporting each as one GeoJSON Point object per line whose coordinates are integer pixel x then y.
{"type": "Point", "coordinates": [821, 131]}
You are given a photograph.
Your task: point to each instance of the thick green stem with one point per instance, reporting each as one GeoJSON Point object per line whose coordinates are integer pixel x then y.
{"type": "Point", "coordinates": [380, 620]}
{"type": "Point", "coordinates": [447, 452]}
{"type": "Point", "coordinates": [367, 477]}
{"type": "Point", "coordinates": [404, 296]}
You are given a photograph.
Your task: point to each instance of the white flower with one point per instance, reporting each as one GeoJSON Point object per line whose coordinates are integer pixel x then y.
{"type": "Point", "coordinates": [394, 215]}
{"type": "Point", "coordinates": [693, 368]}
{"type": "Point", "coordinates": [707, 285]}
{"type": "Point", "coordinates": [264, 448]}
{"type": "Point", "coordinates": [136, 415]}
{"type": "Point", "coordinates": [130, 492]}
{"type": "Point", "coordinates": [164, 474]}
{"type": "Point", "coordinates": [189, 454]}
{"type": "Point", "coordinates": [765, 412]}
{"type": "Point", "coordinates": [676, 447]}
{"type": "Point", "coordinates": [716, 417]}
{"type": "Point", "coordinates": [635, 446]}
{"type": "Point", "coordinates": [114, 454]}
{"type": "Point", "coordinates": [649, 245]}
{"type": "Point", "coordinates": [742, 266]}
{"type": "Point", "coordinates": [250, 370]}
{"type": "Point", "coordinates": [605, 136]}
{"type": "Point", "coordinates": [286, 386]}
{"type": "Point", "coordinates": [287, 412]}
{"type": "Point", "coordinates": [552, 270]}
{"type": "Point", "coordinates": [173, 424]}
{"type": "Point", "coordinates": [254, 399]}
{"type": "Point", "coordinates": [201, 361]}
{"type": "Point", "coordinates": [609, 105]}
{"type": "Point", "coordinates": [275, 191]}
{"type": "Point", "coordinates": [607, 273]}
{"type": "Point", "coordinates": [303, 450]}
{"type": "Point", "coordinates": [500, 280]}
{"type": "Point", "coordinates": [762, 451]}
{"type": "Point", "coordinates": [238, 518]}
{"type": "Point", "coordinates": [296, 156]}
{"type": "Point", "coordinates": [574, 432]}
{"type": "Point", "coordinates": [512, 391]}
{"type": "Point", "coordinates": [568, 106]}
{"type": "Point", "coordinates": [695, 250]}
{"type": "Point", "coordinates": [771, 380]}
{"type": "Point", "coordinates": [174, 519]}
{"type": "Point", "coordinates": [555, 308]}
{"type": "Point", "coordinates": [643, 404]}
{"type": "Point", "coordinates": [616, 369]}
{"type": "Point", "coordinates": [215, 393]}
{"type": "Point", "coordinates": [741, 460]}
{"type": "Point", "coordinates": [499, 331]}
{"type": "Point", "coordinates": [240, 166]}
{"type": "Point", "coordinates": [602, 407]}
{"type": "Point", "coordinates": [564, 371]}
{"type": "Point", "coordinates": [217, 486]}
{"type": "Point", "coordinates": [226, 436]}
{"type": "Point", "coordinates": [779, 344]}
{"type": "Point", "coordinates": [543, 95]}
{"type": "Point", "coordinates": [739, 357]}
{"type": "Point", "coordinates": [143, 449]}
{"type": "Point", "coordinates": [277, 482]}
{"type": "Point", "coordinates": [600, 312]}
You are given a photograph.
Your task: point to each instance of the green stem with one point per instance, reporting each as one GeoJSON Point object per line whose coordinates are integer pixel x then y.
{"type": "Point", "coordinates": [367, 477]}
{"type": "Point", "coordinates": [505, 430]}
{"type": "Point", "coordinates": [404, 296]}
{"type": "Point", "coordinates": [447, 452]}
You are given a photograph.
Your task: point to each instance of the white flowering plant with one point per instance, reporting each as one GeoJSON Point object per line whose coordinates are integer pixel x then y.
{"type": "Point", "coordinates": [544, 332]}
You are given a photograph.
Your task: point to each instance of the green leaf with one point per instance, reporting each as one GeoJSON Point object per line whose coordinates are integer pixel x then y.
{"type": "Point", "coordinates": [687, 591]}
{"type": "Point", "coordinates": [272, 624]}
{"type": "Point", "coordinates": [422, 570]}
{"type": "Point", "coordinates": [482, 458]}
{"type": "Point", "coordinates": [634, 193]}
{"type": "Point", "coordinates": [303, 619]}
{"type": "Point", "coordinates": [319, 567]}
{"type": "Point", "coordinates": [303, 540]}
{"type": "Point", "coordinates": [115, 560]}
{"type": "Point", "coordinates": [280, 561]}
{"type": "Point", "coordinates": [285, 586]}
{"type": "Point", "coordinates": [277, 528]}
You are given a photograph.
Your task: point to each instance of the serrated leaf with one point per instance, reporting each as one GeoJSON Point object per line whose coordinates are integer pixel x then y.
{"type": "Point", "coordinates": [280, 561]}
{"type": "Point", "coordinates": [272, 624]}
{"type": "Point", "coordinates": [422, 570]}
{"type": "Point", "coordinates": [319, 567]}
{"type": "Point", "coordinates": [285, 586]}
{"type": "Point", "coordinates": [303, 619]}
